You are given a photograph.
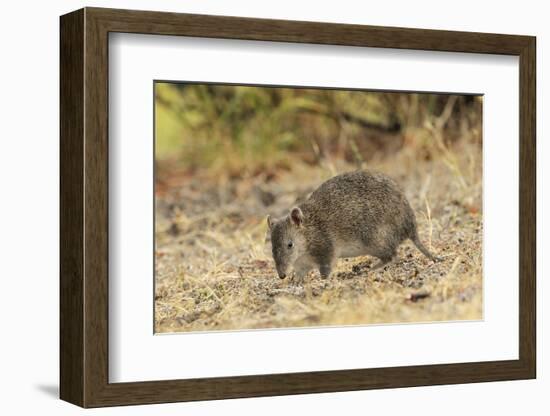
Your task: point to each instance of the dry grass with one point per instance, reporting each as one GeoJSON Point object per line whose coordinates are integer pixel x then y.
{"type": "Point", "coordinates": [214, 269]}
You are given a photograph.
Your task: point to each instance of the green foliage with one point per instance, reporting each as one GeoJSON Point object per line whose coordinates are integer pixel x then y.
{"type": "Point", "coordinates": [246, 127]}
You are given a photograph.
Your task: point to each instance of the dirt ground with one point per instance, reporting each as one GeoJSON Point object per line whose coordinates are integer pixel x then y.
{"type": "Point", "coordinates": [214, 269]}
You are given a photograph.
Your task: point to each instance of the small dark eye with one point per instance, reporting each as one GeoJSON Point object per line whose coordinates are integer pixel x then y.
{"type": "Point", "coordinates": [290, 244]}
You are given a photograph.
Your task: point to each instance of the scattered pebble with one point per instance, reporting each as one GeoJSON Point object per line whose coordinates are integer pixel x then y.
{"type": "Point", "coordinates": [415, 297]}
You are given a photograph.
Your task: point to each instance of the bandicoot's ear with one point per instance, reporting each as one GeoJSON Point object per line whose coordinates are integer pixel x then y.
{"type": "Point", "coordinates": [296, 216]}
{"type": "Point", "coordinates": [269, 222]}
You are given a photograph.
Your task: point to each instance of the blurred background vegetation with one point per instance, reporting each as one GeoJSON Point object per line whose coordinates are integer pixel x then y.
{"type": "Point", "coordinates": [243, 130]}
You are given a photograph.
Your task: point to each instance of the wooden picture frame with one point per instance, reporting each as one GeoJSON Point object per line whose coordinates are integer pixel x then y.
{"type": "Point", "coordinates": [84, 207]}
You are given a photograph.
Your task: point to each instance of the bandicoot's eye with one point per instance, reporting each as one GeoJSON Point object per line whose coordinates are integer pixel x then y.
{"type": "Point", "coordinates": [290, 244]}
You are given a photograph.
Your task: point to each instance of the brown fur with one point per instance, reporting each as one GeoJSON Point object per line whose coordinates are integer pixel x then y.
{"type": "Point", "coordinates": [356, 213]}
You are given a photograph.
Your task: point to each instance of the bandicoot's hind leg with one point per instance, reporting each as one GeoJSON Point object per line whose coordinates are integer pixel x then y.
{"type": "Point", "coordinates": [423, 249]}
{"type": "Point", "coordinates": [386, 257]}
{"type": "Point", "coordinates": [381, 263]}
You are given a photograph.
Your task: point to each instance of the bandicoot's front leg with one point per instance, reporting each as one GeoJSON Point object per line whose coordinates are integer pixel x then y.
{"type": "Point", "coordinates": [325, 270]}
{"type": "Point", "coordinates": [302, 266]}
{"type": "Point", "coordinates": [324, 257]}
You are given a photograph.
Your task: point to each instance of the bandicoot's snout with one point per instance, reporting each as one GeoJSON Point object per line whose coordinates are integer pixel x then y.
{"type": "Point", "coordinates": [282, 275]}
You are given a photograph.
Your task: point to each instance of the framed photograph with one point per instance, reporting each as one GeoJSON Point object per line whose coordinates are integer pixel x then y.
{"type": "Point", "coordinates": [255, 207]}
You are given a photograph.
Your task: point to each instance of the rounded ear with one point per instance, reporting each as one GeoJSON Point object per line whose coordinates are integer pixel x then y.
{"type": "Point", "coordinates": [297, 216]}
{"type": "Point", "coordinates": [269, 222]}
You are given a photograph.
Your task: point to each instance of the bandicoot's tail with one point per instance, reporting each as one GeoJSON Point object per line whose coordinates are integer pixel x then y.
{"type": "Point", "coordinates": [423, 249]}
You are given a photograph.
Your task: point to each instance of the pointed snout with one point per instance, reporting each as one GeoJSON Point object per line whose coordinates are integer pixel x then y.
{"type": "Point", "coordinates": [281, 265]}
{"type": "Point", "coordinates": [281, 273]}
